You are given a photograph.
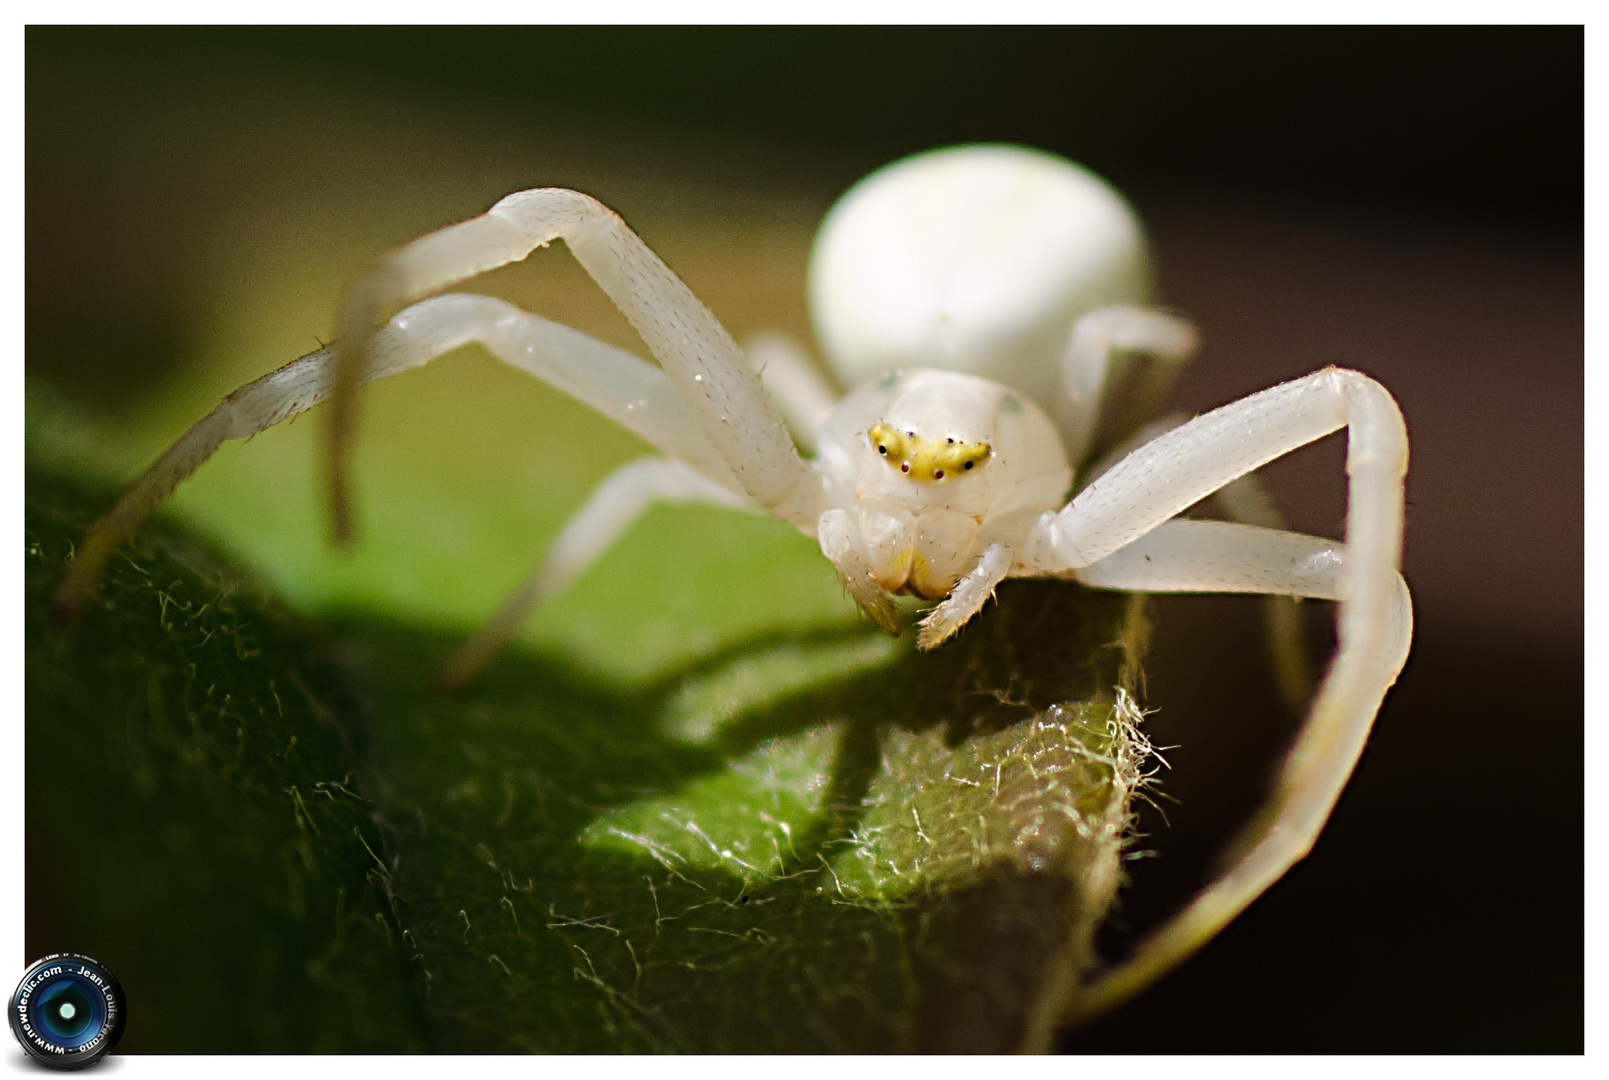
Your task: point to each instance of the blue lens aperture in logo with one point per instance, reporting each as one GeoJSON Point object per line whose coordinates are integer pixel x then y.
{"type": "Point", "coordinates": [69, 1010]}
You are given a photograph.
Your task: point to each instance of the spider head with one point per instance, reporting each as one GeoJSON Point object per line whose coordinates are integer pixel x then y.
{"type": "Point", "coordinates": [932, 466]}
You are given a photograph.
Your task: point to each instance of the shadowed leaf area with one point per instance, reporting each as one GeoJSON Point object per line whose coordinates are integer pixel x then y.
{"type": "Point", "coordinates": [283, 838]}
{"type": "Point", "coordinates": [192, 807]}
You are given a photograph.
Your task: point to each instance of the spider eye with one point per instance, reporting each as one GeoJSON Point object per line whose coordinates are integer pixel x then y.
{"type": "Point", "coordinates": [938, 474]}
{"type": "Point", "coordinates": [905, 466]}
{"type": "Point", "coordinates": [882, 450]}
{"type": "Point", "coordinates": [968, 465]}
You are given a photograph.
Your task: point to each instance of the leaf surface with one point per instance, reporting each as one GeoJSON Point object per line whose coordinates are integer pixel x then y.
{"type": "Point", "coordinates": [776, 838]}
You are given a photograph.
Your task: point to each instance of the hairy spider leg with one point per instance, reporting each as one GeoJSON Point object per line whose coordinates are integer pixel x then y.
{"type": "Point", "coordinates": [839, 538]}
{"type": "Point", "coordinates": [967, 598]}
{"type": "Point", "coordinates": [1130, 505]}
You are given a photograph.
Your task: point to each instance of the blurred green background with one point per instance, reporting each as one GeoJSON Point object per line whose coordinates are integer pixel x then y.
{"type": "Point", "coordinates": [1406, 201]}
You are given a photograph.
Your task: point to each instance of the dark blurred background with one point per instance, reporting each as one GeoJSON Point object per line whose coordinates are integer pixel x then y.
{"type": "Point", "coordinates": [1407, 201]}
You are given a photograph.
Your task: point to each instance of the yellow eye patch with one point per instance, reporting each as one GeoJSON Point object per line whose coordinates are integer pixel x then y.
{"type": "Point", "coordinates": [921, 458]}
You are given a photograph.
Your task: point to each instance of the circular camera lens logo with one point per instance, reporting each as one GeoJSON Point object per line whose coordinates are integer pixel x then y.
{"type": "Point", "coordinates": [68, 1011]}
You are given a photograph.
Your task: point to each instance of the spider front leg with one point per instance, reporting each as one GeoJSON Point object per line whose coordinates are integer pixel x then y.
{"type": "Point", "coordinates": [840, 542]}
{"type": "Point", "coordinates": [795, 384]}
{"type": "Point", "coordinates": [967, 598]}
{"type": "Point", "coordinates": [1116, 533]}
{"type": "Point", "coordinates": [695, 351]}
{"type": "Point", "coordinates": [631, 391]}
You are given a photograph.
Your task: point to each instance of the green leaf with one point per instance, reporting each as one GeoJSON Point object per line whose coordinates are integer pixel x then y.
{"type": "Point", "coordinates": [738, 831]}
{"type": "Point", "coordinates": [193, 819]}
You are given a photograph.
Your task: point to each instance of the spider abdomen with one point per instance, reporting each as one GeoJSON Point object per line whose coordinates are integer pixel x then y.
{"type": "Point", "coordinates": [976, 259]}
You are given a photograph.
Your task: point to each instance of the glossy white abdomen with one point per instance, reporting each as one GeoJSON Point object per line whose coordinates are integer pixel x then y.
{"type": "Point", "coordinates": [975, 259]}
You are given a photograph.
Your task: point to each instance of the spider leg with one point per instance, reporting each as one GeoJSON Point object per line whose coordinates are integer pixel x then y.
{"type": "Point", "coordinates": [1090, 365]}
{"type": "Point", "coordinates": [795, 383]}
{"type": "Point", "coordinates": [1110, 536]}
{"type": "Point", "coordinates": [614, 505]}
{"type": "Point", "coordinates": [1187, 555]}
{"type": "Point", "coordinates": [1212, 556]}
{"type": "Point", "coordinates": [1247, 501]}
{"type": "Point", "coordinates": [967, 598]}
{"type": "Point", "coordinates": [838, 536]}
{"type": "Point", "coordinates": [629, 390]}
{"type": "Point", "coordinates": [703, 362]}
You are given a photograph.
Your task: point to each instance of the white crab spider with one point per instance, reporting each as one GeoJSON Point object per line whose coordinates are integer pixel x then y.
{"type": "Point", "coordinates": [979, 300]}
